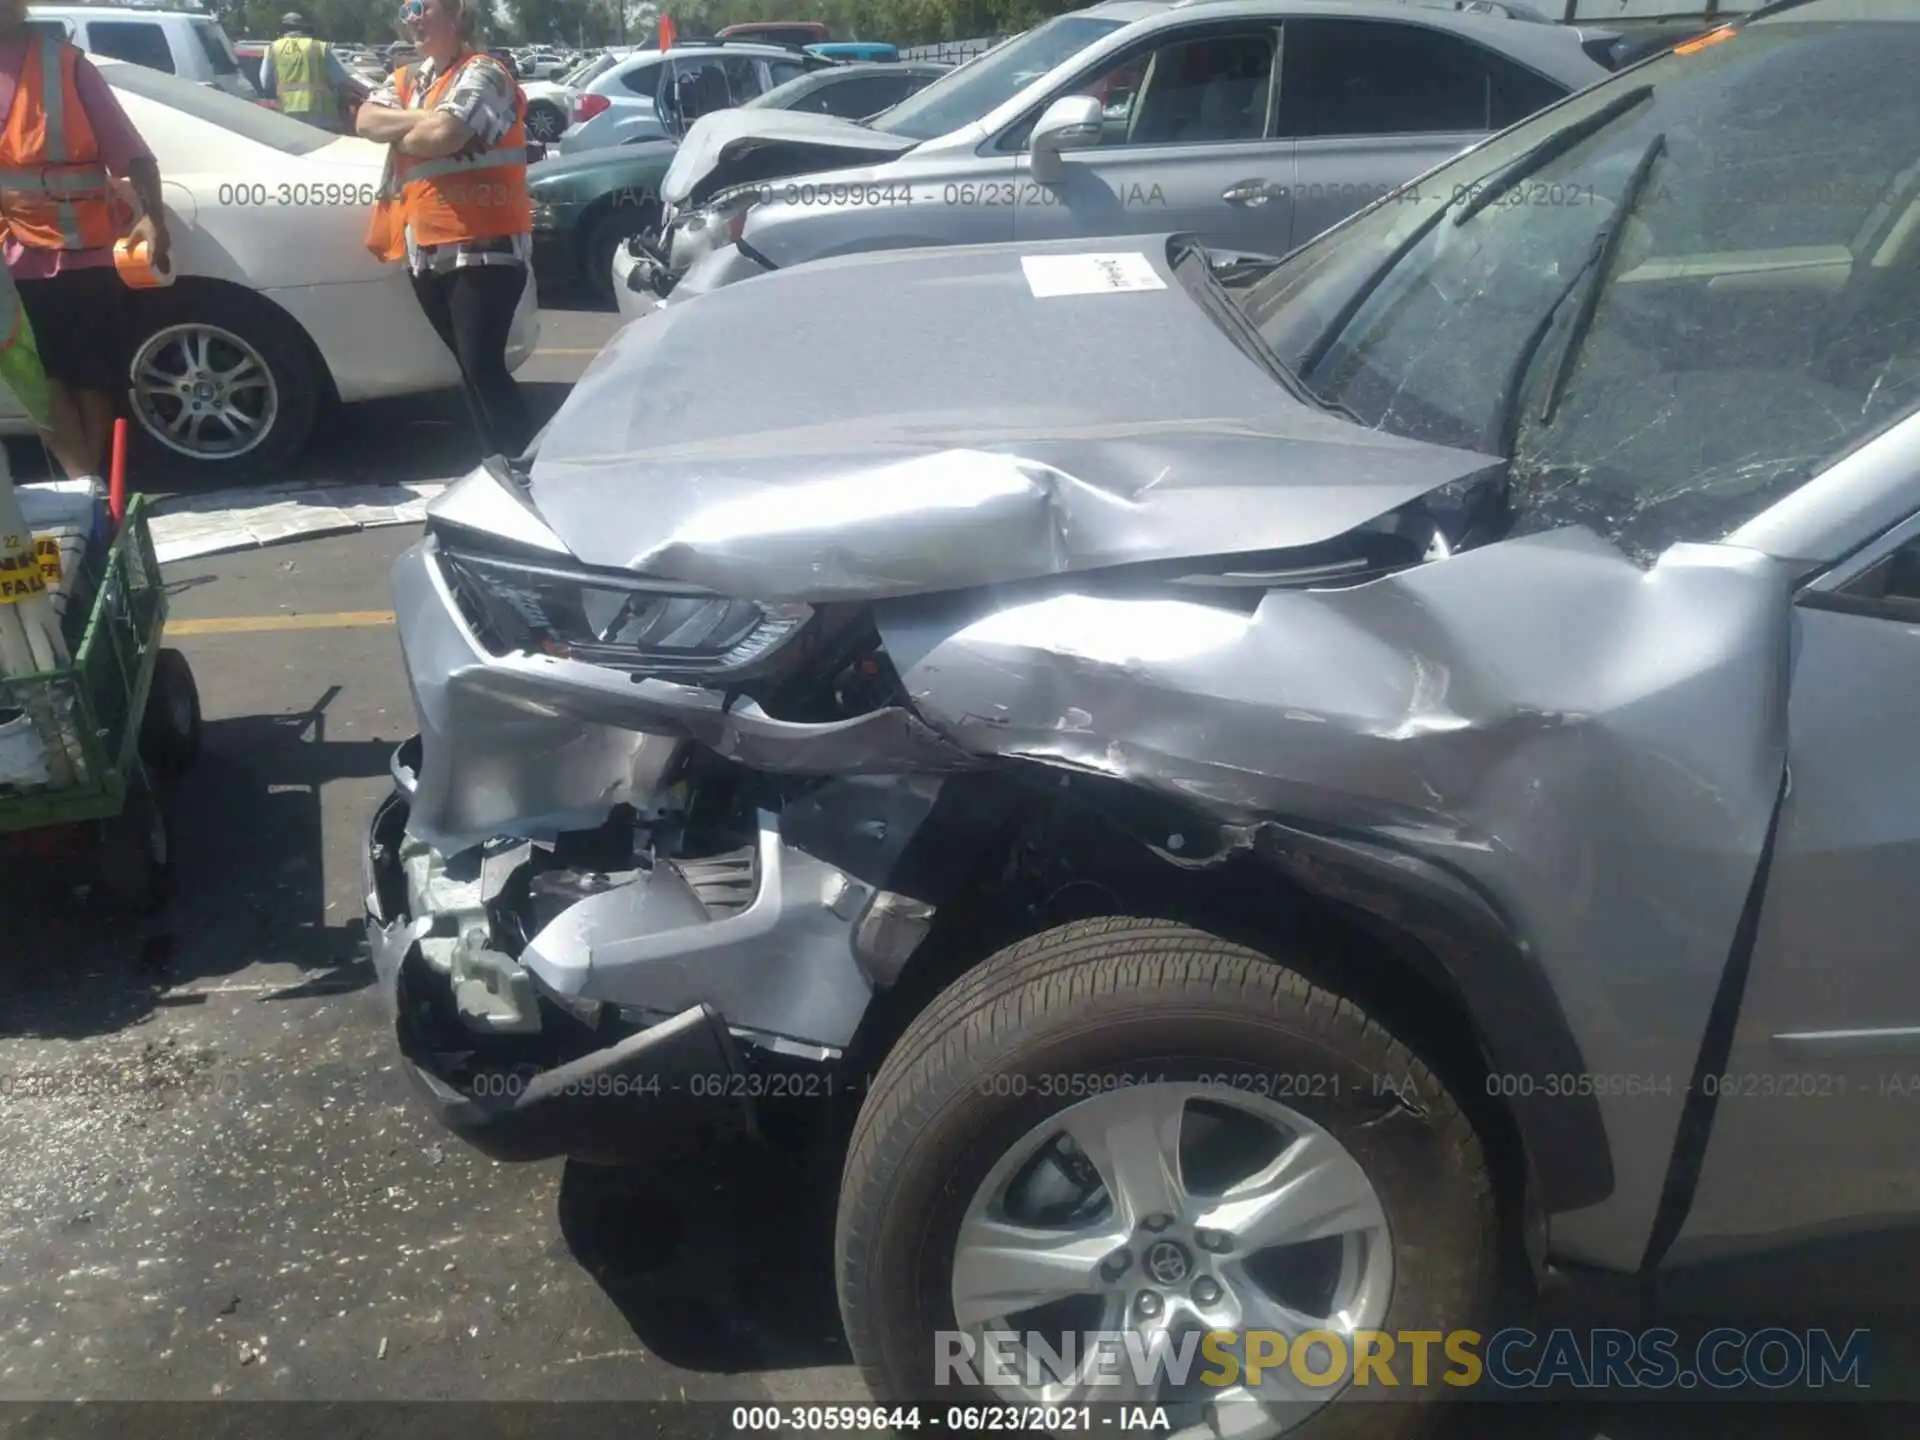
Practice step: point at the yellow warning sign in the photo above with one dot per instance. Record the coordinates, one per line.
(20, 577)
(46, 549)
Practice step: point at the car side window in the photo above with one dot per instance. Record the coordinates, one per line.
(743, 78)
(139, 42)
(1378, 77)
(854, 99)
(785, 70)
(1214, 86)
(643, 79)
(1888, 589)
(50, 29)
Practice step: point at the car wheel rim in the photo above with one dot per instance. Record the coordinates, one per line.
(1163, 1209)
(543, 126)
(204, 392)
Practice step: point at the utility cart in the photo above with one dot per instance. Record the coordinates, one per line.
(102, 732)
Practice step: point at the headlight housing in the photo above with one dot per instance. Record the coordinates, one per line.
(719, 222)
(642, 627)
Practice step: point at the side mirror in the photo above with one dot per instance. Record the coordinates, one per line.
(1069, 123)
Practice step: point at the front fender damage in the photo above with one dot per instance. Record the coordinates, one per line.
(1596, 748)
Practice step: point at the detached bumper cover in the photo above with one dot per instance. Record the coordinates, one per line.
(614, 1104)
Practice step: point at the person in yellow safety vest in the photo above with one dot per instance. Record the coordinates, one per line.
(454, 205)
(305, 76)
(64, 140)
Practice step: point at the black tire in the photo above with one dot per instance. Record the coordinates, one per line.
(545, 121)
(170, 728)
(136, 852)
(605, 234)
(1129, 999)
(242, 325)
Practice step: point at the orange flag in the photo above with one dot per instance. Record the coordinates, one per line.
(667, 35)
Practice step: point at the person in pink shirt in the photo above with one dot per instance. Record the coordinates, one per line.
(71, 292)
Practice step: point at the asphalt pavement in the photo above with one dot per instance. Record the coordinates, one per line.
(217, 1185)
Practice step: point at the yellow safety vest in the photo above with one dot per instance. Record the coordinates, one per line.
(300, 78)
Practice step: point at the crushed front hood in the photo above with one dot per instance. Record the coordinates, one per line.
(734, 147)
(917, 421)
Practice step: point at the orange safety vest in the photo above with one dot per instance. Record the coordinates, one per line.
(54, 191)
(450, 200)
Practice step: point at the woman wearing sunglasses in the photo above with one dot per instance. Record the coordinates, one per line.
(455, 205)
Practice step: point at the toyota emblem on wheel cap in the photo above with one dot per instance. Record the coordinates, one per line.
(1167, 1263)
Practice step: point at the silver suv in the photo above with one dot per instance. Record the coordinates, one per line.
(1252, 123)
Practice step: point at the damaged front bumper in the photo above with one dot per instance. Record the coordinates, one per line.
(544, 1008)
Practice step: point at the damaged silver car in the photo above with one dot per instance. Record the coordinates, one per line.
(1271, 786)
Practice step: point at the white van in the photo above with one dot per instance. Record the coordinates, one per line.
(189, 44)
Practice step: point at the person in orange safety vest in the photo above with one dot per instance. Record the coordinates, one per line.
(454, 205)
(64, 139)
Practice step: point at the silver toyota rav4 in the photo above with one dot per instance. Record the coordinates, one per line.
(1269, 787)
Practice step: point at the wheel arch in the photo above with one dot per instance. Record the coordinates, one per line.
(248, 296)
(597, 209)
(1423, 948)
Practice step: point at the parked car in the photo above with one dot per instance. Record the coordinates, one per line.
(542, 65)
(190, 44)
(1264, 773)
(549, 102)
(587, 204)
(793, 34)
(655, 93)
(277, 310)
(1122, 118)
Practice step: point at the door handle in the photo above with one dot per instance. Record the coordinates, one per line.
(1252, 192)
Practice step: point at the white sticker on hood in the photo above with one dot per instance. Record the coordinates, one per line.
(1050, 275)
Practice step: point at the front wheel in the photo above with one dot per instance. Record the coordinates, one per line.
(605, 235)
(1127, 1128)
(222, 383)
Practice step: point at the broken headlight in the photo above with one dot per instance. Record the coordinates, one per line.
(716, 224)
(642, 627)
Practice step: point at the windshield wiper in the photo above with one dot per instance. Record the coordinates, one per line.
(1513, 173)
(1606, 247)
(1503, 427)
(1195, 268)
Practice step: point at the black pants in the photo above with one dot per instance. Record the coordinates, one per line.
(472, 309)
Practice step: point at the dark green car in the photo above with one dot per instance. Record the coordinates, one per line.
(586, 205)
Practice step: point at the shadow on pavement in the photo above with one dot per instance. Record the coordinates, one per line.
(720, 1260)
(249, 887)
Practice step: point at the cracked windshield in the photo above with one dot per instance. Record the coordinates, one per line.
(894, 718)
(1672, 323)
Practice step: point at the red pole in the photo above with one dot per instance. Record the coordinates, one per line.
(117, 476)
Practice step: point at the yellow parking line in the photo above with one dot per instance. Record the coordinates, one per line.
(247, 624)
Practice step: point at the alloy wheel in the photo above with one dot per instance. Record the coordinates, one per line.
(1156, 1210)
(204, 392)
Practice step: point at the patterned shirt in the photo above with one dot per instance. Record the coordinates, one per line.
(483, 99)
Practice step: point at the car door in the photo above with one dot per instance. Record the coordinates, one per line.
(1814, 1120)
(1186, 145)
(1372, 103)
